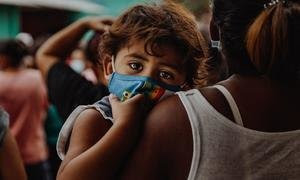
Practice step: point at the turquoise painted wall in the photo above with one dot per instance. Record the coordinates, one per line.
(10, 15)
(9, 21)
(112, 7)
(116, 7)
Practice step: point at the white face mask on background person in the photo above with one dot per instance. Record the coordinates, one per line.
(77, 65)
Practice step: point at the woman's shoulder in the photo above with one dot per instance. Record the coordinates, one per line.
(168, 132)
(168, 119)
(167, 109)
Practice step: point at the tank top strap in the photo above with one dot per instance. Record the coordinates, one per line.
(233, 106)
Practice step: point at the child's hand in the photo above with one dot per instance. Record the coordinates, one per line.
(132, 110)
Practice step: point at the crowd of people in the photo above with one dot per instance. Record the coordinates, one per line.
(149, 96)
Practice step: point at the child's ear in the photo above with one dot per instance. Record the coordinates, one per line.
(107, 67)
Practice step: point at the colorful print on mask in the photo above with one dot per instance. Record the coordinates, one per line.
(127, 86)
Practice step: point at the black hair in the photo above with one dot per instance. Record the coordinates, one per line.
(15, 50)
(233, 17)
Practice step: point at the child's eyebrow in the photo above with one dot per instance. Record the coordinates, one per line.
(174, 66)
(143, 57)
(137, 55)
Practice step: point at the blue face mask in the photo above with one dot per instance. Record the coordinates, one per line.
(126, 86)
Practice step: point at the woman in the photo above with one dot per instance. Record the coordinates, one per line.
(247, 126)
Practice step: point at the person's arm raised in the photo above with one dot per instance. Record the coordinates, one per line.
(59, 46)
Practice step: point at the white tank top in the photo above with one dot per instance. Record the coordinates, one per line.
(225, 150)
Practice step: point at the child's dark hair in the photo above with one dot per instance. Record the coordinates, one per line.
(160, 24)
(14, 50)
(273, 41)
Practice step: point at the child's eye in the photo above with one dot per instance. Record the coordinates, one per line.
(165, 75)
(136, 66)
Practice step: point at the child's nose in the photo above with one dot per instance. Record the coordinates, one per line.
(150, 73)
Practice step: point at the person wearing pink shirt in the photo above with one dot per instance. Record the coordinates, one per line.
(23, 95)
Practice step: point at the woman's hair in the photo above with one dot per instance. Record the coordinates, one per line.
(233, 18)
(14, 50)
(273, 41)
(159, 25)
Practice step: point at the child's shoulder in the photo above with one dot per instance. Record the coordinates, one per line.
(90, 118)
(88, 128)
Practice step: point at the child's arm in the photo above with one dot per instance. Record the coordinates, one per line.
(90, 157)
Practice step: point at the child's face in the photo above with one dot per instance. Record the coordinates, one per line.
(169, 68)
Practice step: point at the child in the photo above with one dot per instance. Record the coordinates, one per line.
(150, 52)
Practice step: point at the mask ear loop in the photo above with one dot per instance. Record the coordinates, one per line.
(216, 44)
(113, 63)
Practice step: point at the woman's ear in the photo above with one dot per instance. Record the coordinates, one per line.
(107, 67)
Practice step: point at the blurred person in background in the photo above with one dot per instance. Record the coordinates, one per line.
(53, 124)
(23, 95)
(66, 88)
(82, 65)
(11, 165)
(53, 121)
(27, 39)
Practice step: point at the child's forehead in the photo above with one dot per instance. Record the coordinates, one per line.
(152, 49)
(167, 55)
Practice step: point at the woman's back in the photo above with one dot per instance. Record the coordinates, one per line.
(223, 149)
(264, 105)
(201, 139)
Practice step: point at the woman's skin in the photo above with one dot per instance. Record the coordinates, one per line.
(165, 148)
